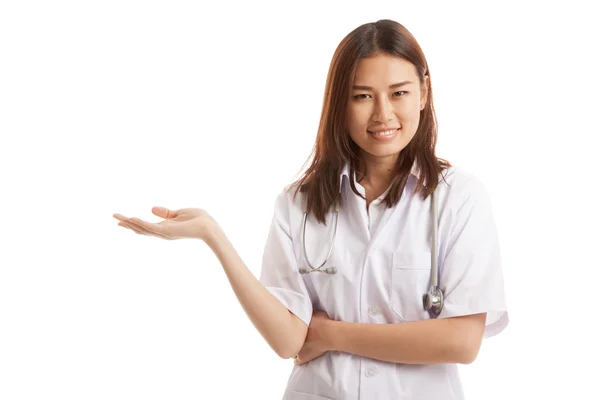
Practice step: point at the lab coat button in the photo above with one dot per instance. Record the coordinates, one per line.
(370, 372)
(373, 311)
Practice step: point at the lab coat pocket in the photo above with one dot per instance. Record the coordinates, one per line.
(410, 281)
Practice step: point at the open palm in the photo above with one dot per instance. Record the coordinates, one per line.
(186, 223)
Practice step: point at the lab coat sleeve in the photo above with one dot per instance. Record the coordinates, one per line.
(279, 272)
(471, 273)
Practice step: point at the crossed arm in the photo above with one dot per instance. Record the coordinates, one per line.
(446, 340)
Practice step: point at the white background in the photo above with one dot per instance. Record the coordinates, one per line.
(118, 106)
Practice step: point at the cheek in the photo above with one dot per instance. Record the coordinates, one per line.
(410, 114)
(358, 118)
(413, 109)
(351, 115)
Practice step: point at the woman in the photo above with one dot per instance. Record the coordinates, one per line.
(356, 324)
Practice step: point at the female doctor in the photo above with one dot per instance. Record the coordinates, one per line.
(355, 242)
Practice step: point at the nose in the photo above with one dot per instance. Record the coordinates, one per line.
(383, 111)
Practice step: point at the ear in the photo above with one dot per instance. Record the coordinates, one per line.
(424, 92)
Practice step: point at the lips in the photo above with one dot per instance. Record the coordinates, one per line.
(390, 130)
(384, 137)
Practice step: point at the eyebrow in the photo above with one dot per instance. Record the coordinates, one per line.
(395, 85)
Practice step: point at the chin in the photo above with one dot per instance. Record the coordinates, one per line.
(389, 152)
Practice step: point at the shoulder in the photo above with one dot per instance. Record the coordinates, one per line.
(461, 186)
(288, 201)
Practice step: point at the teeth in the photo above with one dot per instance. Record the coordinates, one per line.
(386, 133)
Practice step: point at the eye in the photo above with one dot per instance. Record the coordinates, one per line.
(396, 94)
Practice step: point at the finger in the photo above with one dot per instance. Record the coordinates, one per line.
(301, 358)
(307, 354)
(164, 212)
(148, 228)
(139, 226)
(120, 217)
(142, 226)
(135, 229)
(142, 231)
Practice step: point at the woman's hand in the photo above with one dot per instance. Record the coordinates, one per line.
(318, 339)
(186, 223)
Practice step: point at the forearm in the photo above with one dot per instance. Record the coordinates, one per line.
(447, 340)
(283, 331)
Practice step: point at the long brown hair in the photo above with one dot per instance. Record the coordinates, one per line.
(334, 147)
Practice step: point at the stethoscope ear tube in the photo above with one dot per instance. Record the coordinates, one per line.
(434, 245)
(433, 300)
(329, 270)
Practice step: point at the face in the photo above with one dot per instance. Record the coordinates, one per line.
(384, 106)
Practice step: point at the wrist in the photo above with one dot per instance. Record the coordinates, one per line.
(333, 335)
(214, 236)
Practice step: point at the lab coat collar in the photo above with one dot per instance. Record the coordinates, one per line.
(346, 172)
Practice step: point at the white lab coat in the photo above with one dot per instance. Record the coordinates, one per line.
(383, 261)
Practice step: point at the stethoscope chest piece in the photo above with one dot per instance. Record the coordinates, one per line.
(433, 301)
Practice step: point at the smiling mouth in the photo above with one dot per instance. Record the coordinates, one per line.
(385, 133)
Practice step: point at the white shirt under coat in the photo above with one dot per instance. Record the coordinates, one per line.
(383, 261)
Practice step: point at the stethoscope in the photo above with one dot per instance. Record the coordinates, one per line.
(433, 300)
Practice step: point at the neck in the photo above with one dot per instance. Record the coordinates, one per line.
(379, 171)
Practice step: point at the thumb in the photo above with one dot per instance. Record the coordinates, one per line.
(164, 212)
